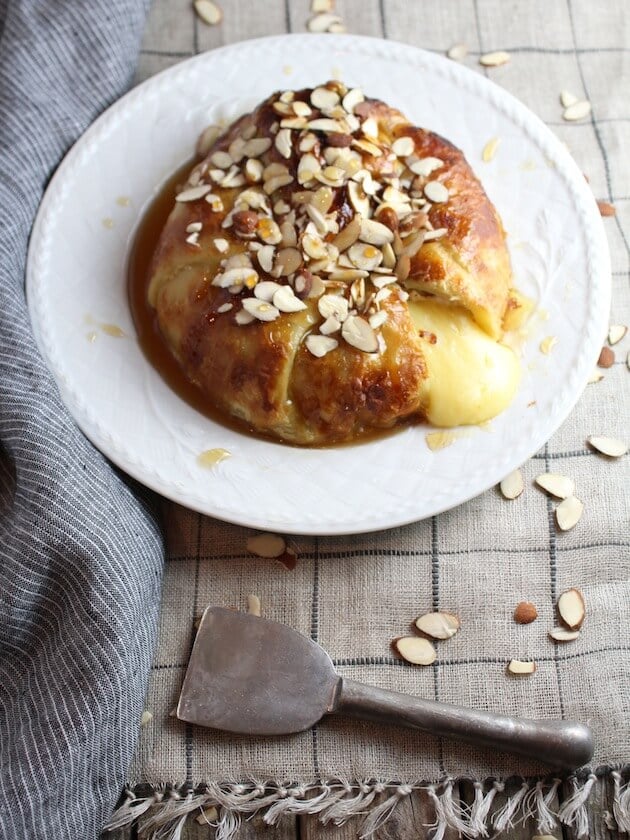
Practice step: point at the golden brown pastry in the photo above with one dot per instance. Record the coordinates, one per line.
(329, 269)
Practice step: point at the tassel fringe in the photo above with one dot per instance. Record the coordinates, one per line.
(164, 810)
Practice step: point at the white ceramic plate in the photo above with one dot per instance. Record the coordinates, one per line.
(77, 283)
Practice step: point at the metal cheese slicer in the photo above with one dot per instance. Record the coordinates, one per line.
(258, 677)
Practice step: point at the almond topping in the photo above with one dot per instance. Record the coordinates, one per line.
(334, 305)
(193, 193)
(266, 290)
(568, 513)
(571, 608)
(286, 301)
(375, 233)
(352, 99)
(403, 147)
(438, 625)
(358, 333)
(512, 485)
(269, 232)
(283, 142)
(260, 309)
(425, 166)
(436, 192)
(611, 447)
(415, 650)
(319, 345)
(559, 486)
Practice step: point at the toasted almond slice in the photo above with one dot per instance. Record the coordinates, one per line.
(489, 150)
(283, 142)
(324, 98)
(561, 634)
(560, 486)
(571, 608)
(265, 257)
(266, 545)
(225, 307)
(253, 605)
(436, 192)
(222, 245)
(612, 447)
(567, 98)
(206, 139)
(516, 666)
(209, 12)
(286, 301)
(425, 166)
(358, 333)
(568, 513)
(269, 231)
(438, 625)
(494, 59)
(577, 111)
(375, 233)
(352, 99)
(457, 52)
(257, 146)
(512, 485)
(221, 159)
(403, 147)
(266, 290)
(193, 193)
(358, 199)
(616, 333)
(260, 309)
(415, 650)
(242, 318)
(319, 345)
(331, 325)
(322, 22)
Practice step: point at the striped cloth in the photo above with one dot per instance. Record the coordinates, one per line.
(80, 555)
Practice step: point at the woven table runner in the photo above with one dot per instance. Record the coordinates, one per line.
(355, 594)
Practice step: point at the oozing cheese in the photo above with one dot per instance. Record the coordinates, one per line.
(471, 377)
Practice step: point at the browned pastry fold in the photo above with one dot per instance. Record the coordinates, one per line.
(267, 372)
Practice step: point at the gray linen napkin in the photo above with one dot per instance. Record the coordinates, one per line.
(80, 553)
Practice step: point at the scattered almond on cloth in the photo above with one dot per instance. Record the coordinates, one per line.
(208, 11)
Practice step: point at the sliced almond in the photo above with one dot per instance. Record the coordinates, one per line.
(415, 650)
(208, 12)
(260, 309)
(457, 52)
(403, 147)
(266, 290)
(561, 634)
(352, 99)
(516, 666)
(612, 447)
(547, 344)
(147, 717)
(331, 325)
(358, 199)
(266, 545)
(436, 192)
(286, 301)
(494, 59)
(525, 612)
(257, 146)
(596, 376)
(324, 98)
(265, 257)
(320, 345)
(616, 333)
(440, 440)
(375, 233)
(571, 608)
(193, 193)
(221, 159)
(560, 486)
(567, 98)
(489, 150)
(438, 625)
(269, 231)
(577, 111)
(222, 245)
(512, 485)
(253, 605)
(568, 513)
(318, 6)
(322, 22)
(425, 166)
(334, 305)
(288, 261)
(358, 333)
(206, 139)
(283, 142)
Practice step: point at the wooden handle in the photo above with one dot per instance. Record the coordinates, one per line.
(563, 744)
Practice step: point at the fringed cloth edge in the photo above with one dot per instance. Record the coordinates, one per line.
(167, 807)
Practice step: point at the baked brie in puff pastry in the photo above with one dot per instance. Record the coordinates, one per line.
(330, 269)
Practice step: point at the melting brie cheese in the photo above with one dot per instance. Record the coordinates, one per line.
(471, 377)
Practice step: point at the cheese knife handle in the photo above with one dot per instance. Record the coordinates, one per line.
(561, 743)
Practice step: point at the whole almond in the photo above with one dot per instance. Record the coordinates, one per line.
(525, 612)
(606, 208)
(606, 358)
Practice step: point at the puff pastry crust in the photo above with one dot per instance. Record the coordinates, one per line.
(331, 351)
